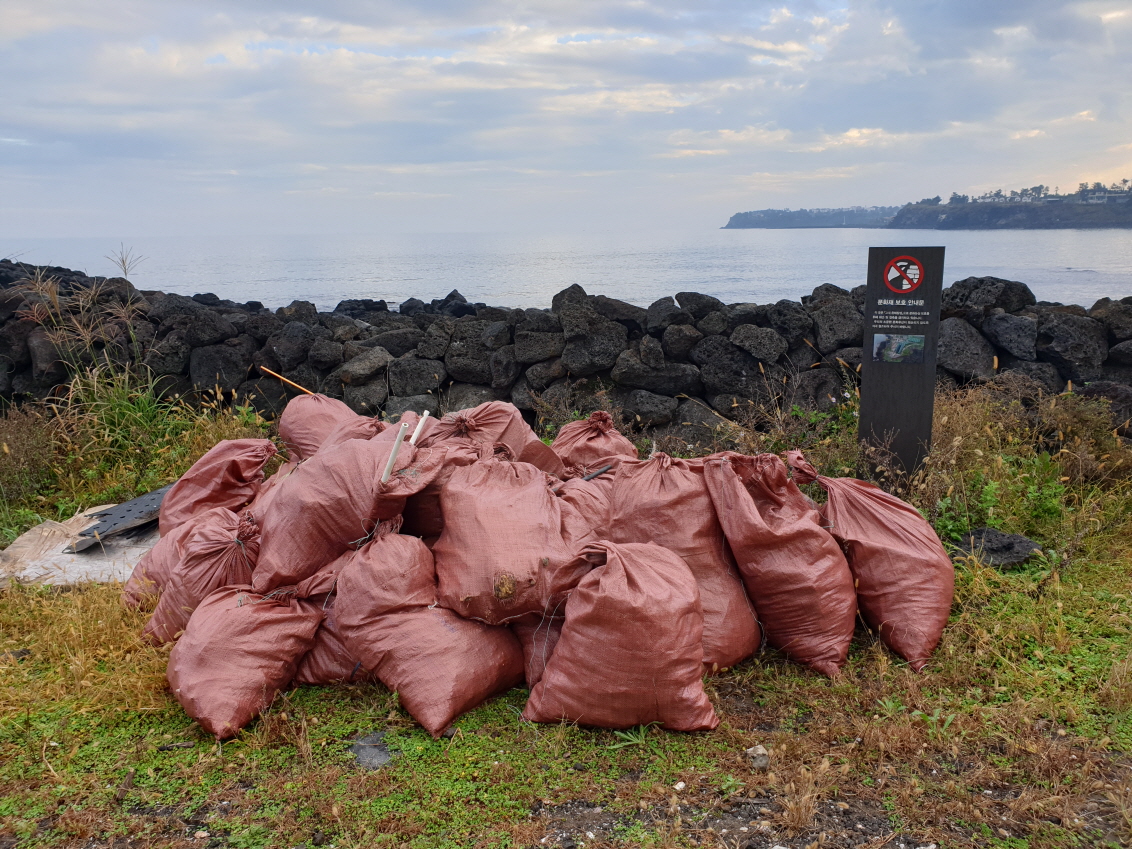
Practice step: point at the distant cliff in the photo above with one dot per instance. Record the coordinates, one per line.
(785, 219)
(1060, 213)
(1049, 215)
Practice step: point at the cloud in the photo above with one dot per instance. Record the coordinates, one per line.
(337, 113)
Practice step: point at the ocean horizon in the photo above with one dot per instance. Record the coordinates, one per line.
(526, 270)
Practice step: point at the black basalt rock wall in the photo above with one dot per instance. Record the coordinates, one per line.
(679, 361)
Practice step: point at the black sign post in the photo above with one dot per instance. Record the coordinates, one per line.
(901, 338)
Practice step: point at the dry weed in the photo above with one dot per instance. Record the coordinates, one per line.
(1116, 692)
(88, 643)
(1120, 797)
(25, 453)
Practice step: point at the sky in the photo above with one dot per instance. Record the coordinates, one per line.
(141, 117)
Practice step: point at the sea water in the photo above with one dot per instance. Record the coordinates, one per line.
(511, 269)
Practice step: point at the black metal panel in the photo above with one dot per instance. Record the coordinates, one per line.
(122, 517)
(901, 342)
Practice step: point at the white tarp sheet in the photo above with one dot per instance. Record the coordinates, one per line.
(37, 556)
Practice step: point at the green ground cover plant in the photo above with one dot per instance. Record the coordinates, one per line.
(1016, 735)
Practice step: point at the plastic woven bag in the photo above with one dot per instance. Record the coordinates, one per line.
(665, 501)
(439, 664)
(238, 651)
(332, 503)
(151, 574)
(363, 427)
(630, 652)
(329, 661)
(221, 551)
(501, 525)
(794, 571)
(538, 635)
(308, 420)
(229, 475)
(905, 580)
(423, 514)
(588, 445)
(497, 421)
(585, 512)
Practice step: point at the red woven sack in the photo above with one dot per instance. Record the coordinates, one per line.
(588, 445)
(329, 661)
(308, 419)
(588, 513)
(423, 515)
(361, 427)
(538, 635)
(270, 488)
(794, 571)
(502, 523)
(439, 664)
(238, 651)
(905, 580)
(151, 574)
(631, 651)
(229, 475)
(665, 501)
(497, 421)
(221, 551)
(332, 503)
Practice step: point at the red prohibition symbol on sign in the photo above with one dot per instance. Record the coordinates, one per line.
(903, 275)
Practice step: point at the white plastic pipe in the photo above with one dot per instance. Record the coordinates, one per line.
(396, 450)
(420, 427)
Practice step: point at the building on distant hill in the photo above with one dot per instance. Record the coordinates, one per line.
(1092, 206)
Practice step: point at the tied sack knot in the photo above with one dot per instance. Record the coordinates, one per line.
(803, 471)
(463, 425)
(601, 422)
(247, 529)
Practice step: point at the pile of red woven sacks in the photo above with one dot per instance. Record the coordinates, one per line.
(481, 559)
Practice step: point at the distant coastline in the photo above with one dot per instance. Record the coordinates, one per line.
(791, 219)
(1090, 207)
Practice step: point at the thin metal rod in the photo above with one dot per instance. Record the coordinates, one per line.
(396, 450)
(600, 471)
(420, 427)
(285, 380)
(588, 477)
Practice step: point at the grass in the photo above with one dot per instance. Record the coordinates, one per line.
(107, 439)
(1015, 736)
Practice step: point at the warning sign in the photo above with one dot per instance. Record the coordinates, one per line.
(903, 274)
(903, 290)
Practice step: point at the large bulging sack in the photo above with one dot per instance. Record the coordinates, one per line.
(538, 635)
(439, 664)
(665, 501)
(905, 580)
(308, 420)
(238, 651)
(501, 525)
(588, 445)
(794, 571)
(151, 574)
(329, 661)
(630, 652)
(270, 488)
(229, 475)
(585, 512)
(221, 551)
(497, 421)
(332, 503)
(362, 427)
(423, 514)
